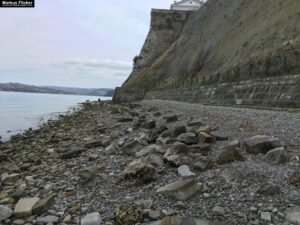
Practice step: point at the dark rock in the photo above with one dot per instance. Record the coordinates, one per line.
(187, 138)
(71, 154)
(132, 148)
(229, 155)
(152, 136)
(179, 130)
(200, 166)
(261, 144)
(157, 114)
(93, 144)
(44, 205)
(206, 138)
(125, 119)
(294, 179)
(269, 189)
(203, 148)
(161, 129)
(195, 123)
(149, 125)
(177, 155)
(3, 157)
(171, 119)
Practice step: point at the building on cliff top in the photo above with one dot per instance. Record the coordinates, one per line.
(187, 5)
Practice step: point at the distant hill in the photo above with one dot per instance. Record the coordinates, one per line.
(108, 92)
(16, 87)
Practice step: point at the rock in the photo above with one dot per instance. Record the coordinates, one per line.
(266, 216)
(157, 114)
(179, 130)
(48, 219)
(146, 204)
(177, 154)
(175, 220)
(200, 166)
(24, 207)
(152, 136)
(154, 160)
(220, 211)
(187, 138)
(195, 123)
(171, 119)
(235, 143)
(10, 178)
(161, 129)
(3, 157)
(91, 219)
(219, 136)
(90, 172)
(203, 148)
(125, 119)
(229, 155)
(128, 214)
(180, 190)
(154, 215)
(205, 129)
(138, 172)
(93, 144)
(261, 144)
(276, 156)
(294, 179)
(269, 189)
(71, 154)
(5, 212)
(293, 215)
(149, 125)
(184, 171)
(44, 205)
(132, 148)
(147, 151)
(206, 138)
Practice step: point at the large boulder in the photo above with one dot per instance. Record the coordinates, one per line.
(138, 172)
(261, 144)
(132, 148)
(180, 190)
(128, 214)
(229, 155)
(276, 156)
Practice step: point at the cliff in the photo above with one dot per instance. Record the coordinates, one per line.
(230, 41)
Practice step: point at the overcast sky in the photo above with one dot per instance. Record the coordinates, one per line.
(75, 43)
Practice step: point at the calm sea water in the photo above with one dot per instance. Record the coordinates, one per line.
(20, 111)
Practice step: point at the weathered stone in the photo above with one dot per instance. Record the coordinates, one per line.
(161, 129)
(154, 160)
(266, 216)
(268, 189)
(90, 172)
(187, 138)
(132, 148)
(149, 125)
(218, 210)
(147, 150)
(48, 219)
(179, 130)
(128, 214)
(206, 138)
(200, 166)
(93, 144)
(187, 221)
(184, 171)
(91, 219)
(203, 148)
(294, 179)
(5, 212)
(276, 156)
(171, 119)
(138, 172)
(71, 154)
(229, 155)
(293, 215)
(152, 136)
(24, 207)
(177, 154)
(44, 205)
(10, 178)
(261, 144)
(180, 190)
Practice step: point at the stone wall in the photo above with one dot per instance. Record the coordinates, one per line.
(166, 25)
(128, 95)
(281, 91)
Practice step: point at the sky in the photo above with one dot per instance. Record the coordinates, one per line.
(73, 43)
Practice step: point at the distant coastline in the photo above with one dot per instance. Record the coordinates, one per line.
(17, 87)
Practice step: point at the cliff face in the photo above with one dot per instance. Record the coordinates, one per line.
(165, 28)
(220, 35)
(225, 44)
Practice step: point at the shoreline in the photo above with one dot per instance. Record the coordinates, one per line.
(106, 156)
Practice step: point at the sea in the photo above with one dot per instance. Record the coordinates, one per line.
(20, 111)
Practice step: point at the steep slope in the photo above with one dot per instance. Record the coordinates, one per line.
(223, 34)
